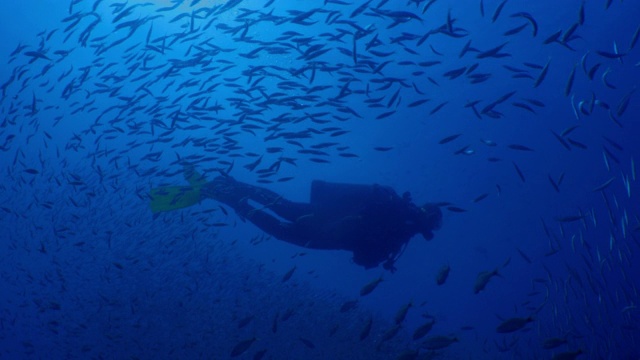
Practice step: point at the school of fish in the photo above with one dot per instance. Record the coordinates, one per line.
(112, 102)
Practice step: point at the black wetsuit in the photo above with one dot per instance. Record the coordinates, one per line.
(372, 221)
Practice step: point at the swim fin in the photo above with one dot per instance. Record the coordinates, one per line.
(169, 198)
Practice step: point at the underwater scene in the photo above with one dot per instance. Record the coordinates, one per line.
(320, 179)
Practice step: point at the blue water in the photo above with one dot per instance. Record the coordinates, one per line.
(102, 100)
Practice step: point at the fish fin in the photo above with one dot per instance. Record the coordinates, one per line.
(169, 198)
(506, 262)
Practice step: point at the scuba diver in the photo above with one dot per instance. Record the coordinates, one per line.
(372, 221)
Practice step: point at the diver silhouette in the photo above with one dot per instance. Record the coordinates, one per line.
(372, 221)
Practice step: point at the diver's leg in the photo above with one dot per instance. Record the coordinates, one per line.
(230, 191)
(286, 209)
(227, 190)
(290, 232)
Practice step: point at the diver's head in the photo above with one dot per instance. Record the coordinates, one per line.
(429, 219)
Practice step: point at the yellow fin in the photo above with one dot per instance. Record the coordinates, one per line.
(169, 198)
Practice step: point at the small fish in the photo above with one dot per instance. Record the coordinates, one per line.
(418, 102)
(542, 75)
(568, 355)
(334, 329)
(348, 305)
(592, 72)
(610, 155)
(604, 185)
(368, 288)
(628, 308)
(515, 30)
(438, 342)
(390, 334)
(551, 252)
(449, 138)
(429, 63)
(366, 330)
(360, 9)
(483, 279)
(385, 114)
(552, 343)
(242, 346)
(634, 39)
(468, 152)
(519, 147)
(259, 354)
(409, 354)
(402, 312)
(568, 35)
(288, 274)
(613, 143)
(442, 275)
(245, 321)
(253, 164)
(524, 256)
(496, 13)
(561, 140)
(422, 330)
(570, 218)
(573, 107)
(513, 324)
(577, 144)
(581, 14)
(553, 37)
(382, 148)
(438, 108)
(531, 20)
(605, 81)
(481, 196)
(569, 130)
(569, 86)
(524, 106)
(37, 55)
(624, 103)
(307, 343)
(553, 183)
(610, 55)
(520, 174)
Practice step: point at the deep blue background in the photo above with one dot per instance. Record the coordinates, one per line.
(87, 271)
